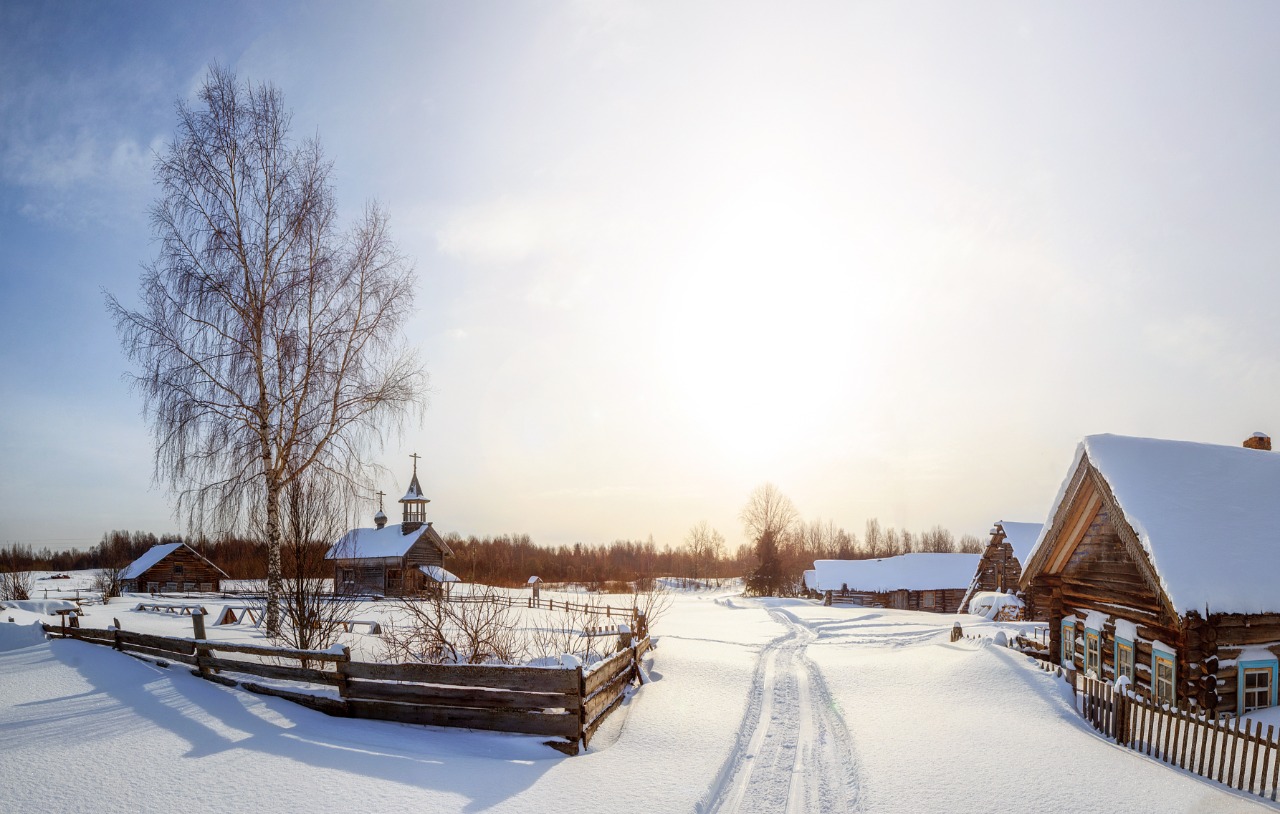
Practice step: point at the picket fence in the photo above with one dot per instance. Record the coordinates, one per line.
(1235, 752)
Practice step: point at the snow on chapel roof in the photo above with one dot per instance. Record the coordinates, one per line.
(913, 572)
(1207, 515)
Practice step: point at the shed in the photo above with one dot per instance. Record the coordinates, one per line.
(1000, 568)
(1157, 563)
(170, 568)
(927, 582)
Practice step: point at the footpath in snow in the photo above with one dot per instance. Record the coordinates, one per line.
(753, 705)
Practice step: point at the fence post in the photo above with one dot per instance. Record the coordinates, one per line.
(202, 653)
(581, 742)
(117, 633)
(340, 667)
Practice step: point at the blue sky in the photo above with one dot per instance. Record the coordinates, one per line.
(897, 260)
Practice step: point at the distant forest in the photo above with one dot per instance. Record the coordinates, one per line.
(509, 560)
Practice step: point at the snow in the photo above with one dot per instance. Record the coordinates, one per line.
(1126, 630)
(988, 604)
(1206, 514)
(1094, 620)
(811, 579)
(1021, 536)
(153, 555)
(387, 541)
(44, 607)
(438, 574)
(913, 572)
(752, 705)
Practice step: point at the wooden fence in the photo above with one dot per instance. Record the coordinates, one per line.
(568, 703)
(1234, 752)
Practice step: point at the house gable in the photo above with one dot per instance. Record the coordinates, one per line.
(1090, 542)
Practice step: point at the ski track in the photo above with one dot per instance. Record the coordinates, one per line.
(798, 756)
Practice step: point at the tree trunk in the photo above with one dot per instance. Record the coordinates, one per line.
(275, 584)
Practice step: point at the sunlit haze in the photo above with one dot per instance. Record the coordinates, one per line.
(896, 259)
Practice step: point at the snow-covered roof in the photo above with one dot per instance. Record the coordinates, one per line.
(157, 553)
(1022, 536)
(153, 555)
(913, 572)
(1207, 515)
(533, 579)
(387, 541)
(438, 574)
(811, 580)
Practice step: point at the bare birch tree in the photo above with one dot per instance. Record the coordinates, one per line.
(268, 342)
(767, 518)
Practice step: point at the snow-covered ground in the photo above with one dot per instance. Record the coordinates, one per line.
(753, 705)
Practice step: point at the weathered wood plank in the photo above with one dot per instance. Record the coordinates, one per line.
(329, 706)
(605, 671)
(269, 670)
(436, 695)
(1257, 747)
(166, 643)
(531, 723)
(1266, 758)
(156, 652)
(605, 695)
(267, 650)
(529, 679)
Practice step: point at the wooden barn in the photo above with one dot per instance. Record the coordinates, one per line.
(1159, 565)
(1000, 568)
(398, 560)
(925, 582)
(171, 568)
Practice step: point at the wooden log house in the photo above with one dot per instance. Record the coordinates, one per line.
(1158, 565)
(398, 560)
(1000, 568)
(925, 582)
(171, 568)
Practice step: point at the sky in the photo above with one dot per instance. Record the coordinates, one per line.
(896, 259)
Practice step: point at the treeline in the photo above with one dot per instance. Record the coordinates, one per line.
(509, 561)
(241, 558)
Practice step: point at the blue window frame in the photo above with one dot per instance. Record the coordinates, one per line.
(1124, 658)
(1256, 685)
(1067, 658)
(1092, 652)
(1164, 665)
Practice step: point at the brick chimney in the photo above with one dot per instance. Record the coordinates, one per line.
(1259, 440)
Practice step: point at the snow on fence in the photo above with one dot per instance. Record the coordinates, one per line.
(1234, 752)
(569, 703)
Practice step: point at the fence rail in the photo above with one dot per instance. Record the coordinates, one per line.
(1235, 752)
(568, 703)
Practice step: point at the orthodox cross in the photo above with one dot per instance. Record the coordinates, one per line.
(381, 494)
(415, 457)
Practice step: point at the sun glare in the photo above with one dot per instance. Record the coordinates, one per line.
(762, 325)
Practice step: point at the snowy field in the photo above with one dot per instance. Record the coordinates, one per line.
(752, 705)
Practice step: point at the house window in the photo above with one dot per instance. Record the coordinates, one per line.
(1092, 653)
(926, 599)
(177, 571)
(1068, 655)
(1162, 677)
(1257, 685)
(1124, 659)
(153, 587)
